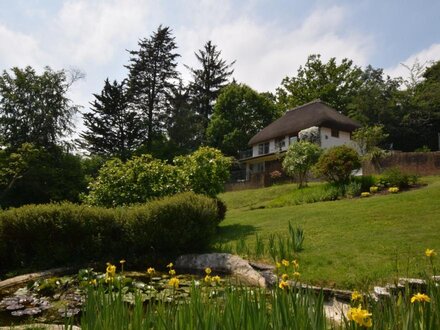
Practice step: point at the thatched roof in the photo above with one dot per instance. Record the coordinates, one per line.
(315, 113)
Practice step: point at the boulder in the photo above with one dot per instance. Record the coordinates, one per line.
(223, 263)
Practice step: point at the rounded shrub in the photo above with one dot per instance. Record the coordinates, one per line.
(337, 163)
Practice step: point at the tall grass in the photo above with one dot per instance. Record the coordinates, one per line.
(231, 308)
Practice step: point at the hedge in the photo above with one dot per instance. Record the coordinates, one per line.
(58, 234)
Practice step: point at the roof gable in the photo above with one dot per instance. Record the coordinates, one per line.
(315, 113)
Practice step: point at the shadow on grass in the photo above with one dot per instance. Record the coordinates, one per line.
(233, 232)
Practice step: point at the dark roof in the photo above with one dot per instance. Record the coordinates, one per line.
(315, 113)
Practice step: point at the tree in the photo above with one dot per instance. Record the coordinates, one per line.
(31, 175)
(299, 159)
(152, 73)
(113, 128)
(239, 113)
(208, 80)
(34, 108)
(184, 128)
(368, 138)
(337, 163)
(333, 83)
(375, 102)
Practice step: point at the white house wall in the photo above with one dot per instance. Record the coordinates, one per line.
(327, 140)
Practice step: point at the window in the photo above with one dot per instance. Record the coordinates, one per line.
(293, 139)
(257, 168)
(263, 148)
(335, 133)
(280, 143)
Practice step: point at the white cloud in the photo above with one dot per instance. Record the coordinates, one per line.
(91, 32)
(266, 53)
(423, 57)
(18, 49)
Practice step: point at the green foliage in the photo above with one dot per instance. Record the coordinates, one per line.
(152, 73)
(394, 177)
(239, 113)
(135, 181)
(225, 308)
(337, 163)
(143, 178)
(331, 82)
(353, 189)
(365, 181)
(299, 159)
(113, 128)
(37, 175)
(206, 170)
(34, 108)
(59, 234)
(369, 137)
(208, 80)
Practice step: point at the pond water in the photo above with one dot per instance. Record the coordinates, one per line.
(50, 300)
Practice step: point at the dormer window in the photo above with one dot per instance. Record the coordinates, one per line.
(335, 133)
(263, 148)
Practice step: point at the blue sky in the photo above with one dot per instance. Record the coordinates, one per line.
(268, 39)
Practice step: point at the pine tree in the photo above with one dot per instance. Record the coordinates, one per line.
(114, 129)
(152, 73)
(183, 126)
(208, 80)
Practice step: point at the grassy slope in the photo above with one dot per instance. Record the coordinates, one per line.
(349, 242)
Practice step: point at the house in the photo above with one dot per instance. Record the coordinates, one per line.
(266, 146)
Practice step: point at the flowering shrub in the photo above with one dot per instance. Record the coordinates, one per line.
(310, 134)
(393, 190)
(275, 175)
(365, 194)
(374, 189)
(299, 159)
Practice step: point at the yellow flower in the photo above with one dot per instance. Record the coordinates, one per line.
(208, 270)
(356, 296)
(295, 264)
(360, 316)
(122, 261)
(172, 272)
(151, 271)
(420, 297)
(430, 253)
(174, 282)
(296, 275)
(278, 265)
(365, 194)
(285, 262)
(170, 265)
(208, 279)
(93, 282)
(111, 270)
(373, 189)
(284, 277)
(216, 279)
(393, 190)
(283, 285)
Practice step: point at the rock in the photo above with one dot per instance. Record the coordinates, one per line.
(223, 263)
(13, 281)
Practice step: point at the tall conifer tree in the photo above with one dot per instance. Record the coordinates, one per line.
(152, 74)
(114, 129)
(208, 80)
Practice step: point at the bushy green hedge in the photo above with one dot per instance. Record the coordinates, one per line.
(58, 234)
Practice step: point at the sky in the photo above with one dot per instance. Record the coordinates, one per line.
(269, 40)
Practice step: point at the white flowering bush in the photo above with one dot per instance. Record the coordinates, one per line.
(310, 134)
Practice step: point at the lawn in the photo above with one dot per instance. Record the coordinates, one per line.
(349, 243)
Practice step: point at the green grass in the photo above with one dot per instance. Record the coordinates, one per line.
(348, 243)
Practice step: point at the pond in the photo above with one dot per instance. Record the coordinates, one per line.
(51, 300)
